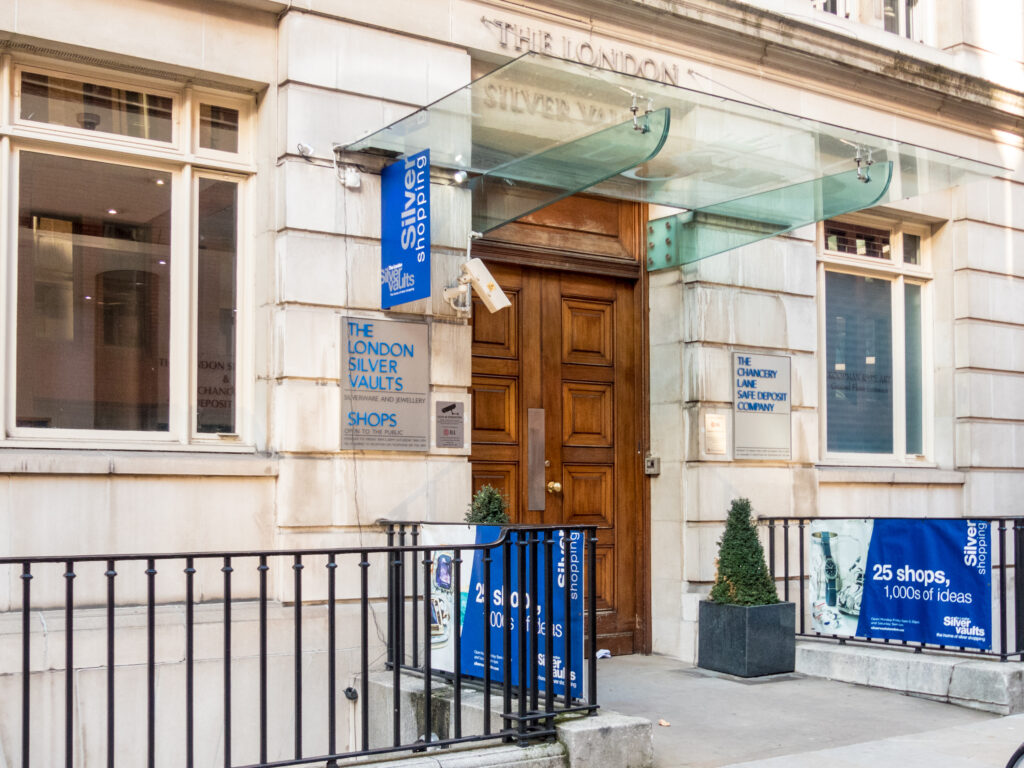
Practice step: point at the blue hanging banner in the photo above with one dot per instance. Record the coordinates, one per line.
(405, 230)
(914, 580)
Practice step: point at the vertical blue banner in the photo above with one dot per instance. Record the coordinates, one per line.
(481, 610)
(405, 230)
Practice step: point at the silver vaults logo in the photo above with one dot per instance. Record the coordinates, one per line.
(976, 546)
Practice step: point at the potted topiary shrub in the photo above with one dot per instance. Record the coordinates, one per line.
(743, 628)
(488, 507)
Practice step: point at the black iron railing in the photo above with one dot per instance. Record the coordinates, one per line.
(1008, 589)
(532, 718)
(273, 595)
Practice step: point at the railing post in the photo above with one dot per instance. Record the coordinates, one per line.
(332, 714)
(506, 632)
(592, 622)
(110, 574)
(364, 634)
(151, 663)
(69, 663)
(428, 721)
(800, 584)
(488, 628)
(522, 617)
(297, 567)
(549, 634)
(190, 573)
(391, 599)
(262, 569)
(415, 532)
(1018, 586)
(227, 570)
(1002, 591)
(566, 555)
(26, 636)
(457, 637)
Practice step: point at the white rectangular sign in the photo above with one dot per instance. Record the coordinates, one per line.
(385, 384)
(761, 406)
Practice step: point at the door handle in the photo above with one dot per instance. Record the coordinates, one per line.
(554, 487)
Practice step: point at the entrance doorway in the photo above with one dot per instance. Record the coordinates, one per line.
(562, 369)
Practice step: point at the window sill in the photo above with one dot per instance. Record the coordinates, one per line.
(847, 475)
(165, 463)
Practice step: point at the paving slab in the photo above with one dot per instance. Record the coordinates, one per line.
(717, 720)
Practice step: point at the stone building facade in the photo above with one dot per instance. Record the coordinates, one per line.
(173, 375)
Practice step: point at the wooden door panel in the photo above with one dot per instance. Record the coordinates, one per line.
(496, 334)
(494, 410)
(587, 336)
(587, 414)
(503, 476)
(588, 494)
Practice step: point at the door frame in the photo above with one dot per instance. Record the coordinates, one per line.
(569, 260)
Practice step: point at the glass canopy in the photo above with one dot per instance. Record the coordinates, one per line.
(540, 128)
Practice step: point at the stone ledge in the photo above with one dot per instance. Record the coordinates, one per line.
(242, 462)
(846, 475)
(991, 686)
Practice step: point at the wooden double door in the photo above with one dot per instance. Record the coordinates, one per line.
(560, 372)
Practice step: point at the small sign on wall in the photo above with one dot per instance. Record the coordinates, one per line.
(385, 384)
(761, 407)
(449, 424)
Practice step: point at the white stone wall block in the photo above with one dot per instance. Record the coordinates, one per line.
(731, 316)
(989, 248)
(450, 481)
(666, 373)
(996, 201)
(305, 491)
(668, 438)
(371, 487)
(311, 268)
(363, 262)
(667, 492)
(988, 346)
(990, 444)
(322, 118)
(781, 264)
(308, 343)
(307, 416)
(450, 350)
(805, 441)
(989, 297)
(993, 493)
(665, 299)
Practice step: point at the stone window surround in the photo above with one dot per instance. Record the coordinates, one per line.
(187, 162)
(898, 274)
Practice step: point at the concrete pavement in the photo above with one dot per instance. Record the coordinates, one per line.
(717, 721)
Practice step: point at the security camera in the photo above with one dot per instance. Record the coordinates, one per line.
(485, 285)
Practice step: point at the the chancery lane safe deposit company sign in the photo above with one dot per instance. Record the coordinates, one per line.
(405, 230)
(761, 395)
(385, 384)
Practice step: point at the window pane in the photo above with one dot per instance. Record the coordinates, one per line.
(890, 16)
(912, 312)
(911, 249)
(93, 295)
(858, 348)
(218, 212)
(859, 241)
(218, 128)
(61, 101)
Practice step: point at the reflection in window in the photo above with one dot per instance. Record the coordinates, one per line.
(215, 345)
(858, 347)
(62, 101)
(93, 295)
(915, 370)
(911, 249)
(218, 128)
(858, 241)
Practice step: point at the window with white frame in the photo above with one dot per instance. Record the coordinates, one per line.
(874, 279)
(126, 219)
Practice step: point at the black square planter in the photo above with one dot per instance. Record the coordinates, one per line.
(747, 640)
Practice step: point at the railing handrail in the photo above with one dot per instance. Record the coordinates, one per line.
(208, 554)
